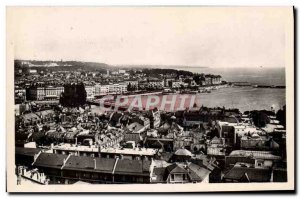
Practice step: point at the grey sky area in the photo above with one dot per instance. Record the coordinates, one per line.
(194, 36)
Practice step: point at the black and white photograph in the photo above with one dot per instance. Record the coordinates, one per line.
(150, 99)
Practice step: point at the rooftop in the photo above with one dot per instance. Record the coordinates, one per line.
(248, 174)
(132, 166)
(183, 152)
(129, 151)
(254, 154)
(50, 160)
(83, 163)
(125, 151)
(27, 151)
(97, 164)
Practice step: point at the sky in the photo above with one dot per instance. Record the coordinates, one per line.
(194, 36)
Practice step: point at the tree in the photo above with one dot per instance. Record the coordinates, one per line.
(74, 95)
(281, 116)
(131, 87)
(260, 118)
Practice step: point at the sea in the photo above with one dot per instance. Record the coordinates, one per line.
(245, 98)
(242, 98)
(257, 75)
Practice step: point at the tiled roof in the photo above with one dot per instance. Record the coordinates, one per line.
(81, 162)
(30, 116)
(27, 151)
(135, 127)
(197, 172)
(254, 174)
(50, 160)
(183, 152)
(132, 167)
(175, 168)
(255, 154)
(159, 172)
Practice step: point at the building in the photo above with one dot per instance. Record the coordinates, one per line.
(212, 79)
(25, 156)
(176, 84)
(181, 155)
(20, 95)
(30, 119)
(90, 92)
(35, 93)
(154, 118)
(97, 89)
(191, 119)
(216, 147)
(168, 82)
(68, 169)
(53, 93)
(117, 88)
(216, 80)
(258, 142)
(245, 173)
(152, 83)
(180, 173)
(256, 158)
(229, 131)
(104, 89)
(135, 132)
(122, 71)
(44, 93)
(32, 71)
(132, 84)
(106, 152)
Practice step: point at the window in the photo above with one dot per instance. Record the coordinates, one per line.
(260, 163)
(172, 177)
(86, 175)
(183, 176)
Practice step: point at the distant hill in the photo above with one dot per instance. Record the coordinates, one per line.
(93, 66)
(143, 66)
(61, 65)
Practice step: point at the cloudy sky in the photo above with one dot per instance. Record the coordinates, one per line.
(212, 37)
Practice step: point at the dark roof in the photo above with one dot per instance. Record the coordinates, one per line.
(205, 162)
(27, 151)
(116, 116)
(133, 167)
(197, 173)
(231, 119)
(193, 117)
(183, 152)
(22, 136)
(179, 114)
(159, 172)
(174, 168)
(50, 160)
(82, 162)
(226, 128)
(254, 174)
(216, 140)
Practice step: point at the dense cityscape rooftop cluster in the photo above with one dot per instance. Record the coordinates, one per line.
(59, 143)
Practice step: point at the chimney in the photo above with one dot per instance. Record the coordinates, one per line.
(95, 163)
(65, 161)
(36, 156)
